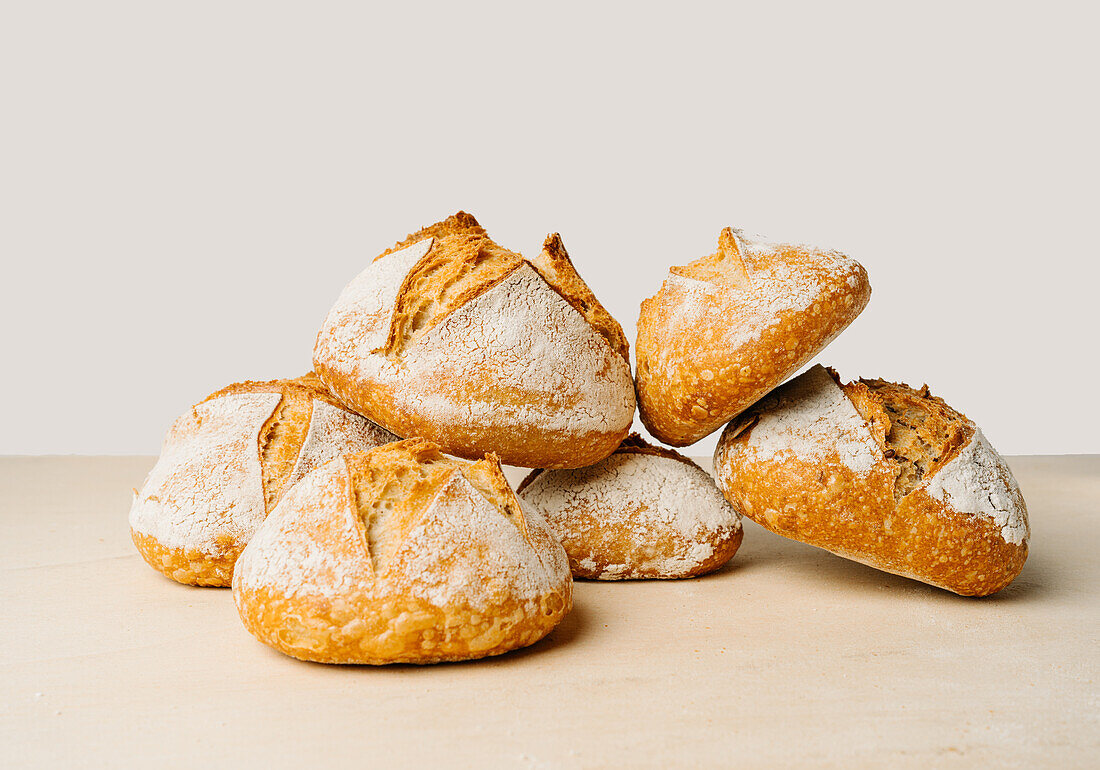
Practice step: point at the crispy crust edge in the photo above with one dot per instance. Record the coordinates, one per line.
(829, 506)
(187, 566)
(682, 409)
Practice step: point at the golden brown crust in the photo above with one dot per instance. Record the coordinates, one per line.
(187, 566)
(632, 444)
(635, 444)
(381, 557)
(877, 513)
(554, 265)
(461, 264)
(727, 328)
(526, 445)
(456, 367)
(463, 244)
(308, 387)
(283, 435)
(725, 267)
(461, 224)
(363, 630)
(279, 446)
(603, 565)
(634, 516)
(918, 432)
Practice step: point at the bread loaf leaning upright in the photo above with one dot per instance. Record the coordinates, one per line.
(879, 473)
(727, 328)
(226, 463)
(450, 337)
(402, 555)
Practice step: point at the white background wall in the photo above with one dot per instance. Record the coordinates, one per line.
(185, 187)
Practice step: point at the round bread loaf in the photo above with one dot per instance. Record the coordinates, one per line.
(225, 464)
(402, 555)
(643, 512)
(879, 473)
(447, 336)
(727, 328)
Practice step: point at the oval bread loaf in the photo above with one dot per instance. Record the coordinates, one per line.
(226, 463)
(450, 337)
(643, 512)
(402, 555)
(727, 328)
(882, 474)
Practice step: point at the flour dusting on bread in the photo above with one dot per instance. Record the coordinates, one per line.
(332, 432)
(531, 343)
(359, 321)
(977, 481)
(660, 515)
(461, 550)
(810, 418)
(206, 491)
(772, 292)
(464, 550)
(729, 327)
(483, 353)
(401, 554)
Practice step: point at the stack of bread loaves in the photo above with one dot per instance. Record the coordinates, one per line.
(337, 507)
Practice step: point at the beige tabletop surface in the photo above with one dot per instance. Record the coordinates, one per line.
(788, 656)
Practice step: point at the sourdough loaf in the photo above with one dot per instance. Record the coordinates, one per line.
(450, 337)
(226, 463)
(880, 473)
(402, 555)
(727, 328)
(643, 512)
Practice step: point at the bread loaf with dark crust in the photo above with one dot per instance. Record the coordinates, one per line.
(727, 328)
(226, 464)
(451, 337)
(881, 473)
(402, 555)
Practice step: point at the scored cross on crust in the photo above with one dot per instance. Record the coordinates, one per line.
(227, 463)
(463, 262)
(402, 555)
(727, 328)
(451, 337)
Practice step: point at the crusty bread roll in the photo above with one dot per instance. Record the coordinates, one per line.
(447, 336)
(727, 328)
(881, 474)
(643, 512)
(224, 466)
(402, 555)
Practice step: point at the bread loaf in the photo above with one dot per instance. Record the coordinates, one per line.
(643, 512)
(727, 328)
(226, 463)
(402, 555)
(450, 337)
(882, 474)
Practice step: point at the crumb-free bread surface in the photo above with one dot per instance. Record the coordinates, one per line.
(727, 328)
(449, 336)
(402, 555)
(226, 463)
(880, 473)
(642, 512)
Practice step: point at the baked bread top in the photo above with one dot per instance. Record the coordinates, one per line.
(728, 327)
(226, 463)
(402, 554)
(463, 262)
(451, 337)
(643, 512)
(881, 473)
(917, 439)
